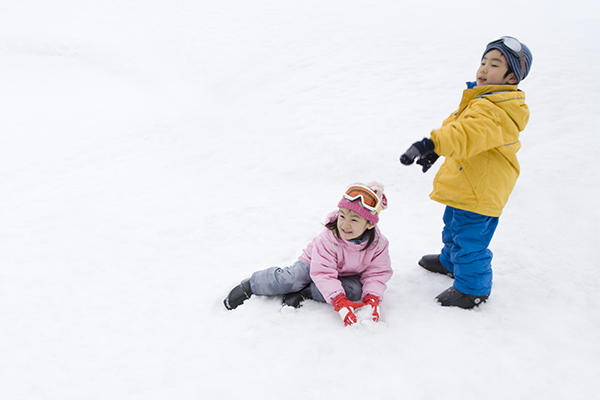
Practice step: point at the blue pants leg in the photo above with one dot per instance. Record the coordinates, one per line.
(276, 281)
(466, 238)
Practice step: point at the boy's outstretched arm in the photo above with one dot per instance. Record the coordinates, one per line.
(424, 151)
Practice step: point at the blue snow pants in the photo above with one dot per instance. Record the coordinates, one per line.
(466, 236)
(276, 281)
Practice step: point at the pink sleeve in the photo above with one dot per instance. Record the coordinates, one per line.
(323, 266)
(379, 272)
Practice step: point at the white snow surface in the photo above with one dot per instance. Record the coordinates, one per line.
(155, 153)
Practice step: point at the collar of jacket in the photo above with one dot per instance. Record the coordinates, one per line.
(360, 240)
(476, 91)
(473, 91)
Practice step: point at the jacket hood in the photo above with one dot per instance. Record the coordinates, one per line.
(508, 98)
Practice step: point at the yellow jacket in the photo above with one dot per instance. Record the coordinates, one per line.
(480, 143)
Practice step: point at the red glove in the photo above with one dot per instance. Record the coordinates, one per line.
(346, 309)
(373, 301)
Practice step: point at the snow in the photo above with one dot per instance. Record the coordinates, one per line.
(155, 153)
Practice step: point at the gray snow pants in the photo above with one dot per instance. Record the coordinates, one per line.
(276, 281)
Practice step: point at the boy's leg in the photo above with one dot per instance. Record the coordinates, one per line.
(442, 264)
(274, 281)
(469, 254)
(448, 235)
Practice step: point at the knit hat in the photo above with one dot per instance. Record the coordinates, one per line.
(511, 48)
(356, 205)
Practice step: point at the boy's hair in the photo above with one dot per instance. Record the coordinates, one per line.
(332, 226)
(509, 71)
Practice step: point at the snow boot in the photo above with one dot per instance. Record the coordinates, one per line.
(295, 299)
(452, 297)
(238, 295)
(431, 262)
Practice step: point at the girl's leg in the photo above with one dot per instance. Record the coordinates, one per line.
(469, 235)
(351, 284)
(274, 281)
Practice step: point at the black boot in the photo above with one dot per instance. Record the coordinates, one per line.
(431, 262)
(238, 295)
(452, 297)
(295, 299)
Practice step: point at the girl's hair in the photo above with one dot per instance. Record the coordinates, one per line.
(332, 226)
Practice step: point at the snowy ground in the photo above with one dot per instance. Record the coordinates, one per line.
(154, 153)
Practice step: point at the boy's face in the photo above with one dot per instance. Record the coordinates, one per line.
(493, 69)
(351, 225)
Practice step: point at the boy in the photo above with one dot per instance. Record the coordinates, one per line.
(480, 143)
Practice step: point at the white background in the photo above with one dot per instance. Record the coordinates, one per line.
(154, 153)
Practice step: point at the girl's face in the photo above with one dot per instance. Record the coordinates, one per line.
(351, 225)
(492, 70)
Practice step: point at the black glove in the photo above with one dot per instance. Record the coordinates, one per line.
(424, 151)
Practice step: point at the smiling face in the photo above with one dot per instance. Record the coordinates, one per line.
(493, 69)
(351, 225)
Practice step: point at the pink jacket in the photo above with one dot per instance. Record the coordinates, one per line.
(330, 256)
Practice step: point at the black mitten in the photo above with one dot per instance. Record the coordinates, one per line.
(424, 150)
(428, 160)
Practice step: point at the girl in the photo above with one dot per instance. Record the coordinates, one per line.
(348, 262)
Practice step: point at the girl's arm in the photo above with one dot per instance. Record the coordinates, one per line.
(323, 267)
(379, 271)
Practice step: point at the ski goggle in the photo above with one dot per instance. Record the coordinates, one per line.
(514, 47)
(368, 198)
